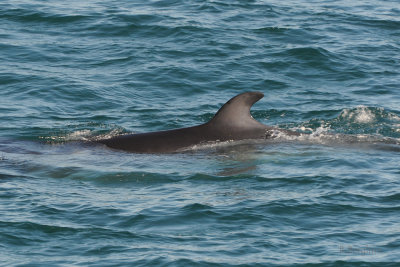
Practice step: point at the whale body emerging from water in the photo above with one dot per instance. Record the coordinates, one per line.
(233, 121)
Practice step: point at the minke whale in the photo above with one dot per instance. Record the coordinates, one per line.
(232, 122)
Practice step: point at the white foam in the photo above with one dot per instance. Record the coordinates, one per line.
(208, 145)
(112, 133)
(361, 114)
(394, 117)
(78, 135)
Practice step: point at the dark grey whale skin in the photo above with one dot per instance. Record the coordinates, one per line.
(233, 121)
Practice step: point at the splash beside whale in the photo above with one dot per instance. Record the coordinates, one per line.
(233, 121)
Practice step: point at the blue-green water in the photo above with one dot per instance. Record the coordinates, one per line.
(72, 71)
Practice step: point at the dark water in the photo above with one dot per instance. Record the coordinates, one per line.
(76, 70)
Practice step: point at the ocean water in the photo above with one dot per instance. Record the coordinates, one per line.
(74, 71)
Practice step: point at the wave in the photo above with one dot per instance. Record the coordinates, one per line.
(35, 16)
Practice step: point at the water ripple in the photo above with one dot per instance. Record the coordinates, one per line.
(73, 72)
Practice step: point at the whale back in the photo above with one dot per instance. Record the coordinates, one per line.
(233, 121)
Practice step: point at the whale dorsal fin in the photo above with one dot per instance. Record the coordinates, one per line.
(236, 112)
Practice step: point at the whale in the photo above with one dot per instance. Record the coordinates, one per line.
(232, 122)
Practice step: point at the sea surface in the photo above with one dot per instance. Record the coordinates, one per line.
(75, 71)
